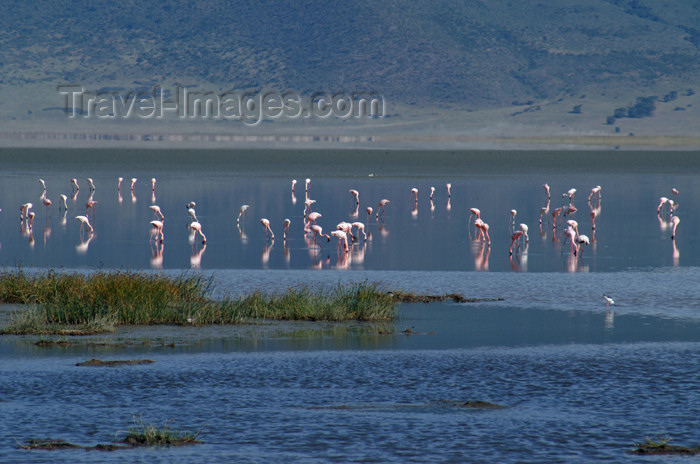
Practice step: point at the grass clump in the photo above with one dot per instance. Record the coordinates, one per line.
(143, 434)
(81, 304)
(662, 446)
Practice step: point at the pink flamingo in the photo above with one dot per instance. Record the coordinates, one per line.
(555, 213)
(318, 231)
(582, 240)
(342, 237)
(382, 205)
(524, 229)
(119, 184)
(267, 229)
(156, 210)
(449, 190)
(89, 205)
(90, 184)
(197, 228)
(474, 212)
(306, 185)
(515, 236)
(675, 220)
(662, 201)
(346, 227)
(414, 191)
(546, 190)
(24, 211)
(432, 192)
(595, 193)
(285, 227)
(84, 221)
(133, 183)
(570, 233)
(46, 201)
(153, 184)
(241, 213)
(294, 183)
(157, 229)
(369, 213)
(64, 203)
(360, 228)
(356, 195)
(74, 184)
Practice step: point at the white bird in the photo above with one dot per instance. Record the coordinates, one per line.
(609, 301)
(90, 184)
(86, 222)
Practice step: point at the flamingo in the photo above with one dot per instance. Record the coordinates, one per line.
(382, 205)
(266, 225)
(582, 240)
(513, 213)
(285, 227)
(318, 231)
(546, 190)
(570, 233)
(360, 228)
(46, 201)
(675, 220)
(356, 195)
(190, 205)
(414, 191)
(156, 210)
(43, 184)
(24, 211)
(514, 237)
(91, 184)
(192, 214)
(153, 184)
(157, 229)
(524, 229)
(84, 221)
(608, 301)
(662, 202)
(294, 183)
(369, 213)
(89, 205)
(595, 193)
(342, 237)
(241, 213)
(133, 182)
(474, 212)
(119, 183)
(74, 184)
(197, 228)
(346, 227)
(306, 185)
(449, 190)
(432, 192)
(64, 202)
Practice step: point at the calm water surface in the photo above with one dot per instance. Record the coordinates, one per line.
(580, 382)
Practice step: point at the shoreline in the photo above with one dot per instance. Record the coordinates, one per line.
(282, 141)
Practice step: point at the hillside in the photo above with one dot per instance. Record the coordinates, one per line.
(437, 55)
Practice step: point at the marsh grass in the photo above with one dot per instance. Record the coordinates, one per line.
(662, 446)
(143, 434)
(81, 304)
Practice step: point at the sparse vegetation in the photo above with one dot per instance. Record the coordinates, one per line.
(143, 434)
(662, 446)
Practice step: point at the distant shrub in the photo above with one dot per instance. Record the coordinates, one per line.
(576, 109)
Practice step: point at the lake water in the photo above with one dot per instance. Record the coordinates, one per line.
(581, 382)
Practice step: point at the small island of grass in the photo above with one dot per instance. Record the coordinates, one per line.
(82, 304)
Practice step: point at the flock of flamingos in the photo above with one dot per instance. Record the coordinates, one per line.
(347, 233)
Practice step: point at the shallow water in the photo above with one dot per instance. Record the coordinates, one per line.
(581, 382)
(410, 236)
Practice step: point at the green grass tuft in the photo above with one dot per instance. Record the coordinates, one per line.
(143, 434)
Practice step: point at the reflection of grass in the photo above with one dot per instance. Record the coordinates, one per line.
(79, 304)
